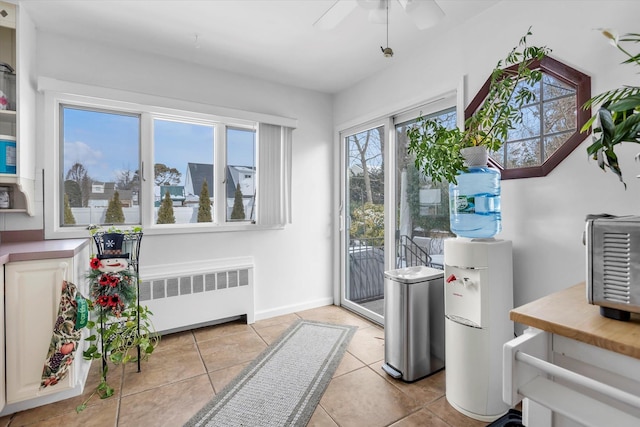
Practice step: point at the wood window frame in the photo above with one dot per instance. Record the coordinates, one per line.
(568, 75)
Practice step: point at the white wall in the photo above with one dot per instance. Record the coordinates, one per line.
(292, 266)
(544, 217)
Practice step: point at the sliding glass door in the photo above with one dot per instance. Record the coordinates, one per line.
(364, 226)
(391, 215)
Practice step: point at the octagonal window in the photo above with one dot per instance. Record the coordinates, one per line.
(550, 127)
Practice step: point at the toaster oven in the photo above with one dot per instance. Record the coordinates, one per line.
(613, 264)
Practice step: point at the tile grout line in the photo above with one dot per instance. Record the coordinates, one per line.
(204, 365)
(120, 395)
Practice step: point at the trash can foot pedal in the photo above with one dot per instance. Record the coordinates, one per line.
(389, 370)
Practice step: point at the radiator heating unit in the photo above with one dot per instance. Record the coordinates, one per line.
(188, 295)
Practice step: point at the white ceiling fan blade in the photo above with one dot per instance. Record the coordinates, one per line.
(335, 14)
(424, 13)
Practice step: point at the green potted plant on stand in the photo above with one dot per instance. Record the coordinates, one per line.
(445, 154)
(121, 330)
(618, 118)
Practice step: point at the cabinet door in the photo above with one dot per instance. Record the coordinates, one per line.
(32, 295)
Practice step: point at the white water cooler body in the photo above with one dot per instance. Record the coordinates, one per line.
(478, 297)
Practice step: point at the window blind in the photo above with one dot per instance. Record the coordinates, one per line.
(274, 174)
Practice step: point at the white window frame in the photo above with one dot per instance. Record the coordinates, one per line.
(149, 107)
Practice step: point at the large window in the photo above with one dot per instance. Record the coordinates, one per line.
(550, 127)
(121, 163)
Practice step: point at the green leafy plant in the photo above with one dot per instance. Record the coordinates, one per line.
(121, 338)
(618, 118)
(437, 148)
(93, 229)
(367, 222)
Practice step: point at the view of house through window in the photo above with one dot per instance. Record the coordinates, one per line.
(100, 167)
(183, 171)
(241, 174)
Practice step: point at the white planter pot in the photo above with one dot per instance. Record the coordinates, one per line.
(475, 156)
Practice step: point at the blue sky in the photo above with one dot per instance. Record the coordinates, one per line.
(105, 143)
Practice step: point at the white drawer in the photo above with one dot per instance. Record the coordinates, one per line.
(566, 383)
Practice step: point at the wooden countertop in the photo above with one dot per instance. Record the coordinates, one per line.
(568, 313)
(41, 249)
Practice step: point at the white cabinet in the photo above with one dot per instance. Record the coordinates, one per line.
(32, 295)
(572, 367)
(17, 122)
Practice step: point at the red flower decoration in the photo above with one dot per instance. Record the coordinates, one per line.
(114, 301)
(95, 263)
(113, 280)
(103, 300)
(104, 280)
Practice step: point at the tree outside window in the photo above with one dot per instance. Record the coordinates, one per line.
(366, 186)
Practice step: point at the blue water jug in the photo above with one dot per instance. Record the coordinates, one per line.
(474, 203)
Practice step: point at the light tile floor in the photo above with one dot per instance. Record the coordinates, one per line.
(189, 368)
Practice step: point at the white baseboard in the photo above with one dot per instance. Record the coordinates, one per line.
(281, 311)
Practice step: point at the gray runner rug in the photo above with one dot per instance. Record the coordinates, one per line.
(284, 384)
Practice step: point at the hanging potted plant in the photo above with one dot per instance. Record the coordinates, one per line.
(439, 151)
(618, 118)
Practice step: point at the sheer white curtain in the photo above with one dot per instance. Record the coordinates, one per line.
(274, 175)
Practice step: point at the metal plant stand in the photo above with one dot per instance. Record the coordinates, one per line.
(130, 245)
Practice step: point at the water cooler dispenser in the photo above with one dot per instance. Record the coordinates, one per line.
(478, 296)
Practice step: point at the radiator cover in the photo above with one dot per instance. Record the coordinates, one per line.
(189, 295)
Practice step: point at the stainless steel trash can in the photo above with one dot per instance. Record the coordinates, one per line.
(413, 322)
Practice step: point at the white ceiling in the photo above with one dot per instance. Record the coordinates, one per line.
(270, 39)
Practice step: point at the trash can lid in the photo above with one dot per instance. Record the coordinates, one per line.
(415, 274)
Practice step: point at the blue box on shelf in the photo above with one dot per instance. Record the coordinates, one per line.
(7, 154)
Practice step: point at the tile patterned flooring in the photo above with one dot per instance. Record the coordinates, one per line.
(189, 368)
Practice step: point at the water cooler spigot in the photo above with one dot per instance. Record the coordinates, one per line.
(465, 281)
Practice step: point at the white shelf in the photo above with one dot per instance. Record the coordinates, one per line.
(17, 41)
